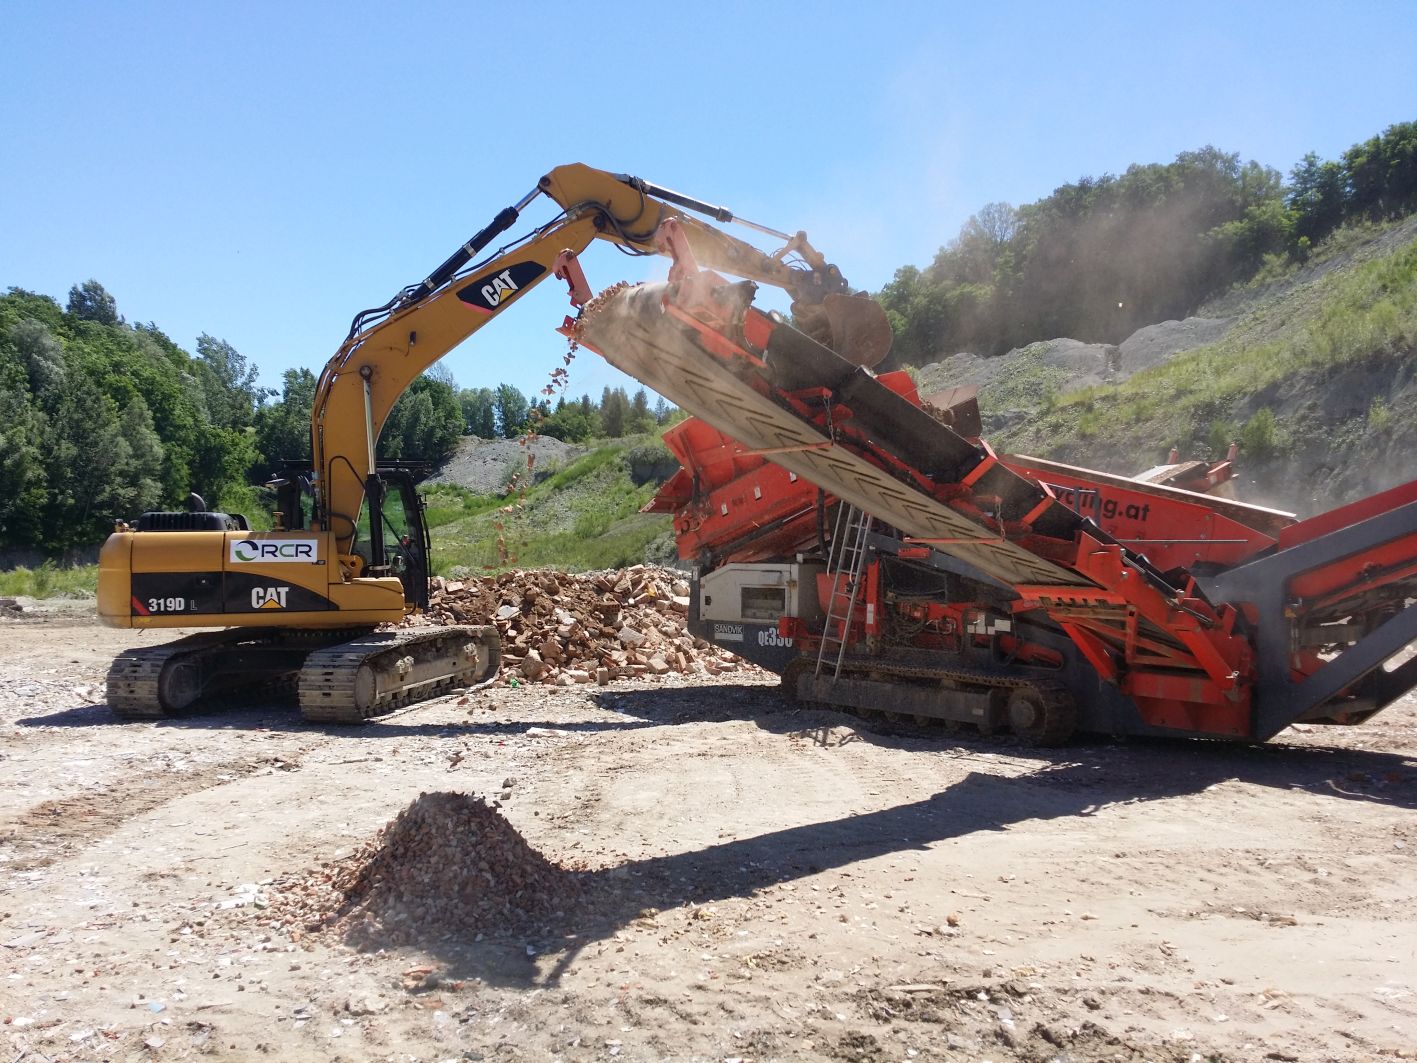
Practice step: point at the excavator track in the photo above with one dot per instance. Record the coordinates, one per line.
(339, 679)
(204, 670)
(365, 677)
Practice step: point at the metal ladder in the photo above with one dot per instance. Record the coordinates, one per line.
(847, 560)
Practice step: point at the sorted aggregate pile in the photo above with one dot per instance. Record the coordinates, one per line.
(448, 866)
(562, 628)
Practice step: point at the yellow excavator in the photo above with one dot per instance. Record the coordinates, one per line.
(311, 602)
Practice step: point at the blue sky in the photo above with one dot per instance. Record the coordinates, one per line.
(263, 171)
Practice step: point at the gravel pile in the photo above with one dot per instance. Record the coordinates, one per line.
(562, 628)
(448, 866)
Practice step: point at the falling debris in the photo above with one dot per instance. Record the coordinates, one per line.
(563, 629)
(448, 866)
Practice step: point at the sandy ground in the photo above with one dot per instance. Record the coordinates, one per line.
(768, 883)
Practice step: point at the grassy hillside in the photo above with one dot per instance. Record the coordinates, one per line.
(584, 515)
(1314, 378)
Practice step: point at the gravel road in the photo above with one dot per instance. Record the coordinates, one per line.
(754, 880)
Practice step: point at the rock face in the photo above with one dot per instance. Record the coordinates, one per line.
(562, 628)
(487, 465)
(449, 864)
(1154, 344)
(1068, 364)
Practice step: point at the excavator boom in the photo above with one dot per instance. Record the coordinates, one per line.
(389, 346)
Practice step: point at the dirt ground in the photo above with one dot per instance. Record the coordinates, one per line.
(764, 882)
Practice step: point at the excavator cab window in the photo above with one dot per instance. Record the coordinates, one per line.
(403, 535)
(295, 501)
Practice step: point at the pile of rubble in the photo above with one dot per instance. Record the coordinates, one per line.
(448, 866)
(563, 628)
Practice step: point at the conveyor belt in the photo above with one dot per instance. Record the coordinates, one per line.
(631, 330)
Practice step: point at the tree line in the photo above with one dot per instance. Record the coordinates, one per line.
(504, 412)
(1101, 257)
(102, 419)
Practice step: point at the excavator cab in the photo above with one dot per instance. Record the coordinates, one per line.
(391, 538)
(397, 541)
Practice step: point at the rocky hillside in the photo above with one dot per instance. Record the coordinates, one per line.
(1312, 372)
(487, 466)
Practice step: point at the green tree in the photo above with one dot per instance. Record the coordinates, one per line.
(90, 301)
(570, 423)
(228, 383)
(511, 409)
(87, 460)
(1382, 173)
(1316, 196)
(23, 479)
(614, 411)
(424, 425)
(283, 427)
(42, 354)
(1266, 229)
(479, 412)
(639, 419)
(142, 475)
(221, 463)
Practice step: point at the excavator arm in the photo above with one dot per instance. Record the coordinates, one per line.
(389, 346)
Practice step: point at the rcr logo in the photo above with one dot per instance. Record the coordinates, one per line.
(270, 550)
(500, 286)
(268, 597)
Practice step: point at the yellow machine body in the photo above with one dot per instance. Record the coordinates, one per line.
(239, 579)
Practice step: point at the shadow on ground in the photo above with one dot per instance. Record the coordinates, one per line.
(1077, 781)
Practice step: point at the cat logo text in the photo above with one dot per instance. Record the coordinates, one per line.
(268, 597)
(497, 287)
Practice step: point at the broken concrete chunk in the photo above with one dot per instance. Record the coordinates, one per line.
(630, 637)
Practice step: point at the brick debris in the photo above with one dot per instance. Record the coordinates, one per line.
(564, 628)
(449, 866)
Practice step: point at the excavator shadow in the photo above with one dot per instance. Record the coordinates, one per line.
(1070, 783)
(634, 710)
(267, 717)
(283, 714)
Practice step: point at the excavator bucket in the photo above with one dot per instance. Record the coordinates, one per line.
(854, 326)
